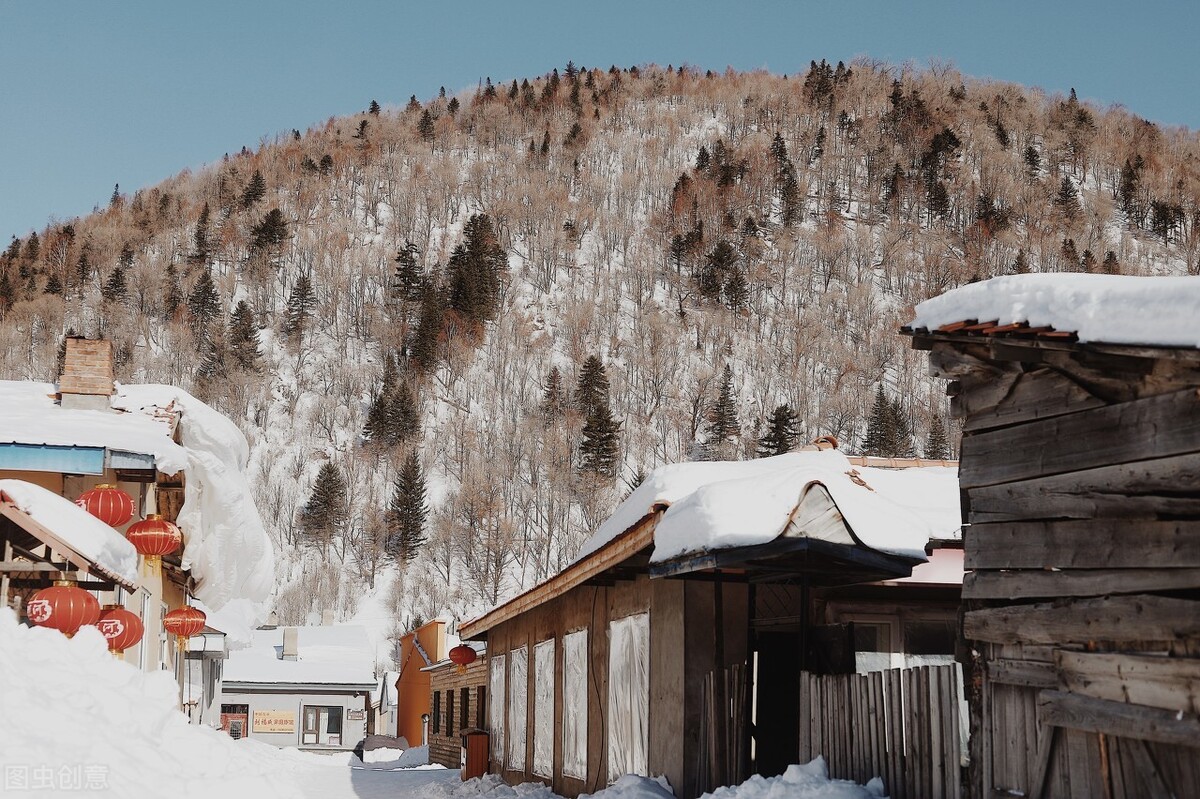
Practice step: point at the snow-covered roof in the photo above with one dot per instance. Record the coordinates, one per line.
(713, 505)
(30, 415)
(339, 654)
(76, 528)
(226, 546)
(1111, 309)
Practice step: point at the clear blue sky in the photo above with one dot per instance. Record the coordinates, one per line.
(95, 93)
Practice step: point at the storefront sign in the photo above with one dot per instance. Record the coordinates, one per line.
(274, 721)
(356, 715)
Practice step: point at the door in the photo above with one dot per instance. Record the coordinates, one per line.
(777, 702)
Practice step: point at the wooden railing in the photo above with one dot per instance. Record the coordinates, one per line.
(902, 725)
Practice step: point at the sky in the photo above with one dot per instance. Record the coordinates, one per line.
(94, 94)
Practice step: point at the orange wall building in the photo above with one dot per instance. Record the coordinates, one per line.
(420, 648)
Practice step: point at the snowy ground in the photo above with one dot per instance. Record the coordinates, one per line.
(74, 719)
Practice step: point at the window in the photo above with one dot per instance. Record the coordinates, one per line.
(323, 725)
(464, 703)
(437, 712)
(496, 708)
(543, 709)
(929, 637)
(628, 696)
(450, 713)
(518, 702)
(480, 704)
(575, 704)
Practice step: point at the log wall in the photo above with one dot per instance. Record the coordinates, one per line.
(1080, 471)
(445, 736)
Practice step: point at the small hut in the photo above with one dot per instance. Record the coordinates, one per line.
(1080, 473)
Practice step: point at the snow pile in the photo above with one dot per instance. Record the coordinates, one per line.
(388, 758)
(31, 416)
(1116, 309)
(74, 716)
(722, 504)
(338, 654)
(78, 529)
(809, 781)
(226, 546)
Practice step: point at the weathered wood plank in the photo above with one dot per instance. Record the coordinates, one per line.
(1098, 544)
(1025, 673)
(1153, 489)
(1084, 713)
(1151, 680)
(1132, 618)
(1156, 427)
(1030, 583)
(1040, 394)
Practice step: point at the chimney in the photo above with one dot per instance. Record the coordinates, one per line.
(291, 644)
(87, 379)
(327, 618)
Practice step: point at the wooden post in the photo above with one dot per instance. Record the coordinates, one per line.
(8, 556)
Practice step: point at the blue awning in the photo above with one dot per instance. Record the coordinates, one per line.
(51, 458)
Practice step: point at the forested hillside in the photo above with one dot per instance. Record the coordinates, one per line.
(456, 331)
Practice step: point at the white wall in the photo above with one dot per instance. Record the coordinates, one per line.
(352, 731)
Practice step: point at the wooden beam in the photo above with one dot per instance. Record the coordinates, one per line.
(1062, 709)
(54, 542)
(1078, 621)
(1025, 673)
(1094, 544)
(1168, 683)
(1157, 427)
(1040, 394)
(1154, 489)
(1030, 584)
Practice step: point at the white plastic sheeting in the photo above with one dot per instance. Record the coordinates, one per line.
(518, 705)
(496, 706)
(628, 696)
(543, 709)
(575, 705)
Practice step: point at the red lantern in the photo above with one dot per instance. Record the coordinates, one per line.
(184, 622)
(154, 536)
(63, 606)
(462, 656)
(120, 627)
(107, 503)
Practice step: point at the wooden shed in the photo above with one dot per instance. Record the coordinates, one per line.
(1080, 473)
(676, 644)
(459, 703)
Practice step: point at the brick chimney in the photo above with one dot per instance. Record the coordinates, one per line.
(291, 644)
(87, 379)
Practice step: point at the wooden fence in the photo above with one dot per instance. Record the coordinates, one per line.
(901, 725)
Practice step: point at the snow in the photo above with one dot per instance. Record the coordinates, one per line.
(31, 416)
(72, 712)
(78, 529)
(225, 544)
(1115, 309)
(333, 655)
(721, 504)
(385, 757)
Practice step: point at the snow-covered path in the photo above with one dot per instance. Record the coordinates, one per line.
(338, 779)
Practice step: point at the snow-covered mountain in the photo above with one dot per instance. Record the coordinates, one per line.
(667, 222)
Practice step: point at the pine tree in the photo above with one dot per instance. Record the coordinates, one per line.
(737, 293)
(300, 305)
(880, 437)
(554, 399)
(717, 266)
(114, 289)
(476, 271)
(243, 337)
(204, 305)
(635, 480)
(200, 243)
(936, 445)
(723, 421)
(172, 293)
(1020, 265)
(409, 282)
(1111, 266)
(782, 434)
(212, 365)
(1088, 263)
(1033, 161)
(272, 231)
(115, 199)
(407, 512)
(256, 189)
(901, 444)
(425, 126)
(83, 270)
(1067, 199)
(599, 449)
(53, 284)
(324, 515)
(373, 109)
(591, 390)
(423, 344)
(376, 427)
